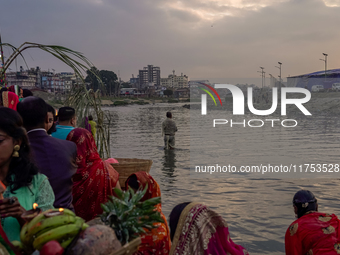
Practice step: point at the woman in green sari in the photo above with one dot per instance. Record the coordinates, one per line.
(25, 185)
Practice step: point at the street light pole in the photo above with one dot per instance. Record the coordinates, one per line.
(271, 80)
(325, 60)
(262, 74)
(280, 72)
(264, 79)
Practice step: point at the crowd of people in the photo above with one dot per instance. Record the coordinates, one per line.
(58, 166)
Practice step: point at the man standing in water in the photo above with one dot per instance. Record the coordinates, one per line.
(168, 130)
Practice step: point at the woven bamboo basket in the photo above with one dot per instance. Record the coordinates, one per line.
(129, 248)
(128, 166)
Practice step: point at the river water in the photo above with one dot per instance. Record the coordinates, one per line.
(258, 210)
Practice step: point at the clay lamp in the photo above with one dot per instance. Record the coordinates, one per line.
(54, 213)
(30, 214)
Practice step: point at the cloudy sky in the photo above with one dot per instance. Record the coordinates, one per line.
(212, 39)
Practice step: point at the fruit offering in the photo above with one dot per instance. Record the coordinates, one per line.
(52, 225)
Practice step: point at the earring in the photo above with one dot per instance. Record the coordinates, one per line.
(15, 152)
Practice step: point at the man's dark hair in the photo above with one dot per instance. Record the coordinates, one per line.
(168, 115)
(26, 93)
(90, 117)
(305, 201)
(66, 113)
(33, 111)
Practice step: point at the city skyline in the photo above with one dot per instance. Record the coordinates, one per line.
(216, 40)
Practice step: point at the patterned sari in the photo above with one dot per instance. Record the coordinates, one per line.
(10, 100)
(157, 240)
(313, 234)
(200, 230)
(94, 180)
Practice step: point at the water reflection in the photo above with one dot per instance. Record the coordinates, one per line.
(169, 162)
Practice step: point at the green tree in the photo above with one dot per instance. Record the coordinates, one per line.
(109, 79)
(168, 92)
(92, 78)
(126, 85)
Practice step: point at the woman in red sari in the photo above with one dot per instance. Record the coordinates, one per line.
(313, 233)
(9, 100)
(198, 230)
(94, 180)
(157, 240)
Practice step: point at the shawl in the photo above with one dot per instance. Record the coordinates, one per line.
(10, 100)
(94, 180)
(313, 233)
(200, 230)
(156, 240)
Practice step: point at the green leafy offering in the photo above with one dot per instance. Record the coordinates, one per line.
(128, 216)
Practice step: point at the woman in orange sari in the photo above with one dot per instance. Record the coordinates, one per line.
(313, 233)
(157, 240)
(94, 180)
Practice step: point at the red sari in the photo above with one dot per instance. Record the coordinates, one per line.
(313, 234)
(157, 240)
(10, 100)
(94, 180)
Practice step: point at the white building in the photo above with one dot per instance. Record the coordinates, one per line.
(175, 82)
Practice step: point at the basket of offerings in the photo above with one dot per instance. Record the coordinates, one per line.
(128, 166)
(129, 248)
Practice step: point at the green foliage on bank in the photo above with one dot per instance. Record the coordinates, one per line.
(120, 103)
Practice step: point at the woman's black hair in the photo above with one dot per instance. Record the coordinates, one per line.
(305, 201)
(133, 182)
(53, 127)
(21, 169)
(174, 218)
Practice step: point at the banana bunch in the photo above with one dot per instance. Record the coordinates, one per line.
(42, 229)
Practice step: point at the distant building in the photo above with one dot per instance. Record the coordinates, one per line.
(316, 78)
(175, 82)
(69, 80)
(27, 79)
(52, 82)
(134, 81)
(149, 76)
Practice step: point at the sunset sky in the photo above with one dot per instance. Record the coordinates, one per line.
(219, 39)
